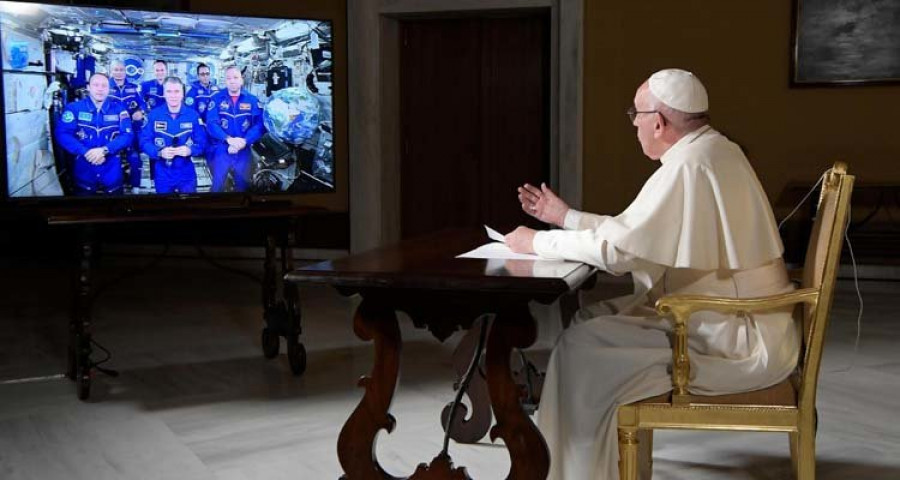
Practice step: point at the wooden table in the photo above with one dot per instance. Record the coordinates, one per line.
(443, 294)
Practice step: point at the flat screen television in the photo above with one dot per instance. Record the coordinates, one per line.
(108, 102)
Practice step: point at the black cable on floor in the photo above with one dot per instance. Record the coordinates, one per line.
(235, 271)
(128, 274)
(132, 272)
(107, 371)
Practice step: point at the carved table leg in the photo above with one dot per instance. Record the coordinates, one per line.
(356, 443)
(475, 428)
(527, 450)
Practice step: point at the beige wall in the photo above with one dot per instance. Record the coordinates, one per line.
(739, 49)
(741, 52)
(336, 11)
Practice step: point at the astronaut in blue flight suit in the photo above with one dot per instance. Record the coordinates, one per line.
(130, 95)
(172, 136)
(95, 129)
(234, 122)
(152, 90)
(201, 91)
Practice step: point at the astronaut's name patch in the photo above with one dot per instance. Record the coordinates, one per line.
(244, 106)
(159, 126)
(111, 118)
(68, 117)
(187, 125)
(85, 116)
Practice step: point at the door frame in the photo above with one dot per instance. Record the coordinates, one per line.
(374, 106)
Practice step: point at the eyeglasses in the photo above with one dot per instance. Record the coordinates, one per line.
(633, 113)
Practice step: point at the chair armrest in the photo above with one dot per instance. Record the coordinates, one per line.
(684, 305)
(681, 307)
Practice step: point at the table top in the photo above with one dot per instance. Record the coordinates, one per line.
(429, 263)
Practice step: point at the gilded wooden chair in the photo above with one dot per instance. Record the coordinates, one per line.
(787, 407)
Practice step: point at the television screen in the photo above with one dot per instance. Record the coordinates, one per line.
(114, 102)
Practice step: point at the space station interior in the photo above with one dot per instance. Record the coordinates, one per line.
(50, 52)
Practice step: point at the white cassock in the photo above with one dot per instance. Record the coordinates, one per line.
(701, 225)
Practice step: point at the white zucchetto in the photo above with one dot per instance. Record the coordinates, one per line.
(680, 90)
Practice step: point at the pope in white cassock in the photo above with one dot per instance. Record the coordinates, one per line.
(700, 225)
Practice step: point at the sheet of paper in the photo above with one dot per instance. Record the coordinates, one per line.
(499, 255)
(494, 235)
(497, 250)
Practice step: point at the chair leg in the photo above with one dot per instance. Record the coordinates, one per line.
(628, 449)
(806, 454)
(795, 458)
(645, 454)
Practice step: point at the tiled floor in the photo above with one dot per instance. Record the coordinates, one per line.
(196, 400)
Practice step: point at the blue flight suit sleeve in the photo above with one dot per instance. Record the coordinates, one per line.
(199, 137)
(190, 97)
(125, 136)
(140, 91)
(256, 130)
(142, 106)
(139, 96)
(189, 92)
(212, 121)
(65, 132)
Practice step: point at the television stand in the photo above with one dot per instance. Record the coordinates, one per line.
(281, 301)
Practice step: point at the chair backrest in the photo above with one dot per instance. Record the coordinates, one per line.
(820, 272)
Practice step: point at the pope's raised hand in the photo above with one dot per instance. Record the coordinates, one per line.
(543, 204)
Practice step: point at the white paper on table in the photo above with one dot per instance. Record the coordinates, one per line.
(497, 250)
(498, 253)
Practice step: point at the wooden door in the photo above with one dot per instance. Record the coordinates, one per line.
(474, 106)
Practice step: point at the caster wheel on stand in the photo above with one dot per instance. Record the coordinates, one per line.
(296, 356)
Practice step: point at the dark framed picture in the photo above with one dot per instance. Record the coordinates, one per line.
(845, 42)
